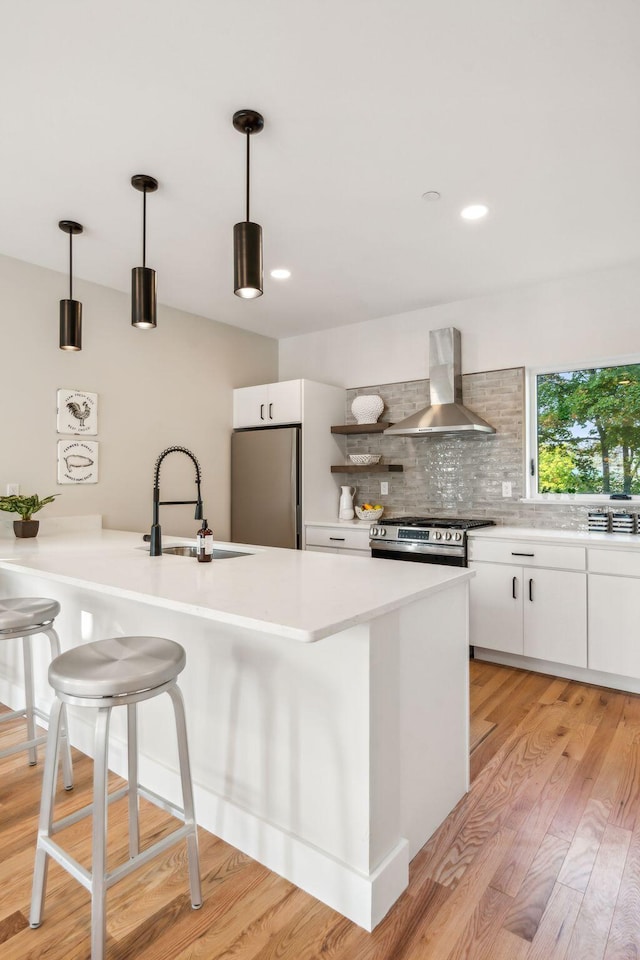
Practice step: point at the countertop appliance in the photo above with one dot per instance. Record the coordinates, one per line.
(424, 539)
(266, 486)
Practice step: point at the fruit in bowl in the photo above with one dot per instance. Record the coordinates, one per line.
(369, 511)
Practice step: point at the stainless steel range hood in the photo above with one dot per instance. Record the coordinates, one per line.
(446, 414)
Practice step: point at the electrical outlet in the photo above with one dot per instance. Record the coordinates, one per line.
(506, 488)
(384, 488)
(13, 489)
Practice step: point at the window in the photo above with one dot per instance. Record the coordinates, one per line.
(586, 431)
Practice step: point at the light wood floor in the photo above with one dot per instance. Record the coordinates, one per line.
(541, 860)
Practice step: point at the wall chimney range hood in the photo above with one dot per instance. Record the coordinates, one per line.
(446, 414)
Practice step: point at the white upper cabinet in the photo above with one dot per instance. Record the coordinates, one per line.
(268, 404)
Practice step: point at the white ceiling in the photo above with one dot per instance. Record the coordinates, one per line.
(531, 106)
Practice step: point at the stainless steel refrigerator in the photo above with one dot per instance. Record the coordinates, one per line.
(266, 487)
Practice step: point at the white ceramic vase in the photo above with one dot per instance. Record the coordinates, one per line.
(345, 508)
(367, 408)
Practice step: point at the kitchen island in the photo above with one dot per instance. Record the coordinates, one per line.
(326, 696)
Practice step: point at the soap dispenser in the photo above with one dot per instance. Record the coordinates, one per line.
(204, 543)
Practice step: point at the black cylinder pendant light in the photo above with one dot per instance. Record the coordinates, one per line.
(247, 236)
(143, 279)
(70, 310)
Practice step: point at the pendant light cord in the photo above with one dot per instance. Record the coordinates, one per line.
(70, 266)
(248, 168)
(144, 227)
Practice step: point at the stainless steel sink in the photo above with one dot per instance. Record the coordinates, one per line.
(190, 550)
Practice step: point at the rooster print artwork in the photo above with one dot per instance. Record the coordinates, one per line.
(77, 412)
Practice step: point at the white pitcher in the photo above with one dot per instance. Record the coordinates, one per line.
(345, 509)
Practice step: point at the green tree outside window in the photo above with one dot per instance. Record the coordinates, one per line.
(589, 431)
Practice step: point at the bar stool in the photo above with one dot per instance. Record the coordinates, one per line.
(21, 618)
(102, 675)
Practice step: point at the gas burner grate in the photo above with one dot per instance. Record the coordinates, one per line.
(450, 523)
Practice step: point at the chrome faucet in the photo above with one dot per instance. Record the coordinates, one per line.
(156, 537)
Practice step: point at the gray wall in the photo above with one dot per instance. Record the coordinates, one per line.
(172, 385)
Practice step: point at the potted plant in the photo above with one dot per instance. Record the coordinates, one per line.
(26, 507)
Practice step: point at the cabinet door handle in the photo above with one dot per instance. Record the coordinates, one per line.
(342, 539)
(270, 411)
(513, 588)
(262, 411)
(531, 590)
(514, 554)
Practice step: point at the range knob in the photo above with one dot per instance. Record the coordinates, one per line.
(437, 535)
(458, 536)
(374, 531)
(381, 531)
(447, 535)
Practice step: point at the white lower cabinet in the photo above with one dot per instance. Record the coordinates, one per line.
(614, 600)
(495, 614)
(530, 610)
(347, 541)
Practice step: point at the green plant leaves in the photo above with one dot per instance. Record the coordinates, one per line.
(25, 506)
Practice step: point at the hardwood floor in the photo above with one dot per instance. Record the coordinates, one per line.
(540, 861)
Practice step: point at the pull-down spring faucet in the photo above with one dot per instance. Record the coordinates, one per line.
(156, 536)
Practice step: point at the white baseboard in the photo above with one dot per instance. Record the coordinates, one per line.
(581, 674)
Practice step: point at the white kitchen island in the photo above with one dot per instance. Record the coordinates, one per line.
(326, 696)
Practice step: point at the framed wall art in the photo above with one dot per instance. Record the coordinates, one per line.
(77, 412)
(77, 461)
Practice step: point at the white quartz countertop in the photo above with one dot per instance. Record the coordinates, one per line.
(296, 594)
(619, 541)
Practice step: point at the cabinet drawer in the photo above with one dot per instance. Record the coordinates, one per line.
(528, 554)
(624, 563)
(338, 537)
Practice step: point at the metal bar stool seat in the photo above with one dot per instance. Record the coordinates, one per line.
(21, 618)
(102, 675)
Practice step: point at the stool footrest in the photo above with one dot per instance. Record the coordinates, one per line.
(83, 876)
(86, 811)
(159, 801)
(14, 715)
(24, 745)
(22, 715)
(77, 871)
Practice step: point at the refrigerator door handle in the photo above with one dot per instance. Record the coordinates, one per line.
(294, 504)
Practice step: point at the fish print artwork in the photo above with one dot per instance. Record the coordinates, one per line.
(77, 461)
(77, 412)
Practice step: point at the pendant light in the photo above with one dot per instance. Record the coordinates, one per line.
(247, 236)
(143, 279)
(70, 310)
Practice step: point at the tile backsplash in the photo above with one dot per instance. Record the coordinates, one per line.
(456, 475)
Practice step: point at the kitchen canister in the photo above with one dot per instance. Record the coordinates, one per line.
(367, 408)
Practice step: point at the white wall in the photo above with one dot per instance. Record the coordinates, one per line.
(156, 388)
(588, 317)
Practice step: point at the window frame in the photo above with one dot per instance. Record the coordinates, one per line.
(531, 431)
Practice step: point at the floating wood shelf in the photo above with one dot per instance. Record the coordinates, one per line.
(361, 427)
(368, 468)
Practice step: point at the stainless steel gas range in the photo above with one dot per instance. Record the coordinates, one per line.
(423, 539)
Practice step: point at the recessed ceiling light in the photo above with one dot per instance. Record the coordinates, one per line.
(431, 195)
(281, 274)
(474, 212)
